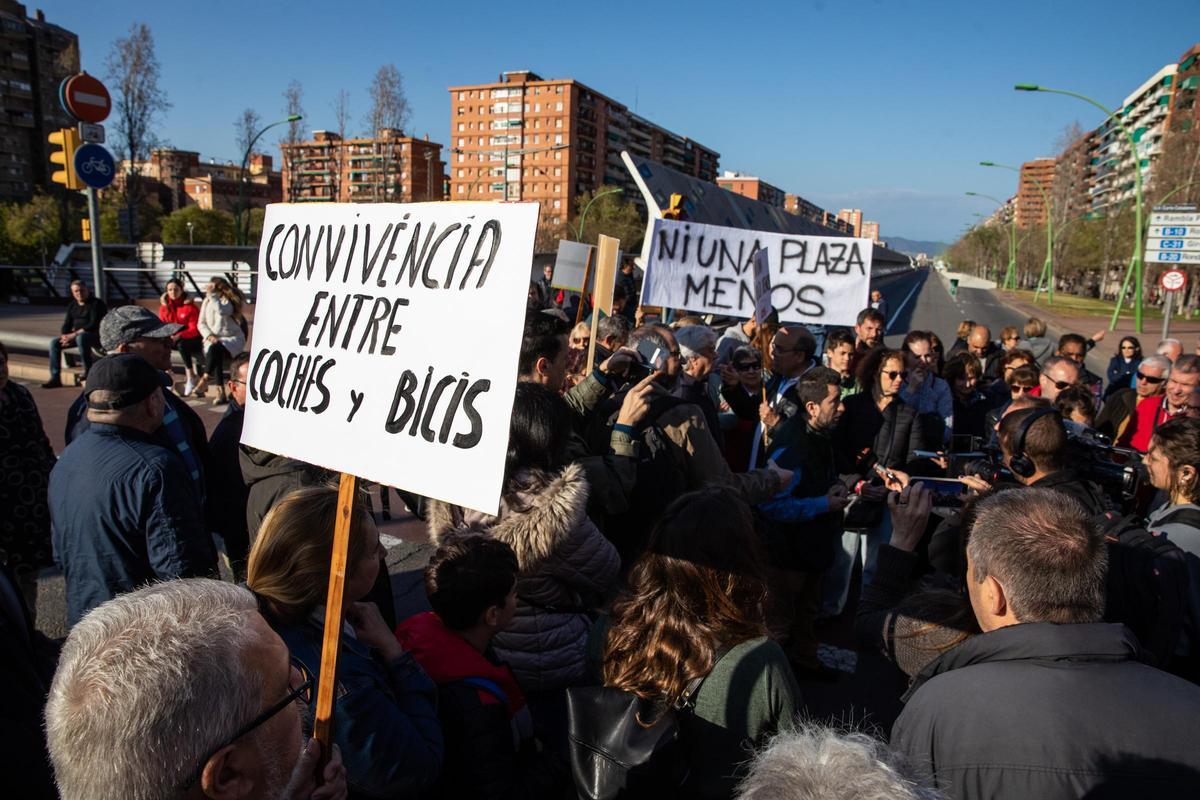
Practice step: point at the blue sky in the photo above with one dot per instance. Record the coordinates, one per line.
(886, 105)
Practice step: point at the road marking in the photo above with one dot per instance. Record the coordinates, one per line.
(900, 310)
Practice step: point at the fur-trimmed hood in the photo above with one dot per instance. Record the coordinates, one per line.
(531, 521)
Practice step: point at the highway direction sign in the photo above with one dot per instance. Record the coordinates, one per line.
(1181, 257)
(1173, 244)
(1174, 232)
(1172, 280)
(95, 166)
(1176, 218)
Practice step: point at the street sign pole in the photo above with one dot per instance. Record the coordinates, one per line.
(1171, 281)
(1167, 315)
(97, 265)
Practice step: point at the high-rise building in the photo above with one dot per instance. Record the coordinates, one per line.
(754, 188)
(173, 179)
(870, 230)
(527, 138)
(853, 217)
(389, 167)
(1036, 177)
(795, 204)
(1184, 111)
(1073, 177)
(35, 56)
(1143, 114)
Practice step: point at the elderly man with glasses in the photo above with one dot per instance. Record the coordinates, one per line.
(1130, 415)
(190, 671)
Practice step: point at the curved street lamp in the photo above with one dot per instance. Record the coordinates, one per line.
(1010, 277)
(595, 197)
(1135, 262)
(244, 233)
(1047, 275)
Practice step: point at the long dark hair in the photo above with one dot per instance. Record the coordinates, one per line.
(1137, 347)
(537, 436)
(698, 588)
(872, 365)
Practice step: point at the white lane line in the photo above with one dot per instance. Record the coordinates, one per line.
(895, 316)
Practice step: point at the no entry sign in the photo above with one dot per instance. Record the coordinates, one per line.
(1172, 280)
(86, 98)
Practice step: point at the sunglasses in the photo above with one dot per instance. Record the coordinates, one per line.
(1060, 385)
(892, 374)
(748, 367)
(1017, 388)
(1149, 378)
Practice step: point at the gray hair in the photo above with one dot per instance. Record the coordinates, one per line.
(695, 338)
(818, 763)
(1187, 363)
(1166, 344)
(147, 686)
(614, 326)
(1158, 362)
(1044, 550)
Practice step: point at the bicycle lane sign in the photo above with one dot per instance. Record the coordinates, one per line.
(95, 166)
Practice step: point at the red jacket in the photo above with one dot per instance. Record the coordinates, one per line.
(445, 656)
(185, 314)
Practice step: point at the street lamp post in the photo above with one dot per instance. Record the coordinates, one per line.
(1010, 277)
(1135, 263)
(1047, 275)
(595, 197)
(191, 239)
(243, 233)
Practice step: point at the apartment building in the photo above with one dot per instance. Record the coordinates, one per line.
(854, 218)
(1073, 178)
(870, 230)
(1143, 115)
(35, 56)
(1035, 185)
(388, 167)
(752, 187)
(528, 138)
(173, 179)
(1183, 111)
(795, 204)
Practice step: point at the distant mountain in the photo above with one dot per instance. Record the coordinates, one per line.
(913, 246)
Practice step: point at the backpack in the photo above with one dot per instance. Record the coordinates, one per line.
(1147, 584)
(660, 475)
(614, 756)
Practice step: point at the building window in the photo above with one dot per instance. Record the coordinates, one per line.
(462, 157)
(558, 203)
(558, 106)
(461, 127)
(558, 138)
(558, 155)
(557, 171)
(460, 172)
(558, 89)
(537, 107)
(558, 122)
(462, 95)
(461, 189)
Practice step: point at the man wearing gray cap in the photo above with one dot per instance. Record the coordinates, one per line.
(133, 329)
(122, 510)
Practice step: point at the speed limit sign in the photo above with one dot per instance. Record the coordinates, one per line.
(1172, 280)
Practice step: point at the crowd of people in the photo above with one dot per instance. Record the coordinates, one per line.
(1016, 537)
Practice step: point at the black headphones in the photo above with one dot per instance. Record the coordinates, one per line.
(1021, 464)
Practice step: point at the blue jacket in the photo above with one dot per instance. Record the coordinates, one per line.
(123, 512)
(385, 719)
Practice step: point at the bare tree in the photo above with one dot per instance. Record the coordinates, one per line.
(247, 127)
(293, 106)
(133, 72)
(341, 118)
(386, 119)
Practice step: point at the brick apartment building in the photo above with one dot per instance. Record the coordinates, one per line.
(528, 138)
(35, 56)
(795, 204)
(870, 230)
(1036, 177)
(174, 179)
(754, 188)
(389, 167)
(1073, 174)
(854, 218)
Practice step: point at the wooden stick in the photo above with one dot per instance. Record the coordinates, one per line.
(334, 616)
(587, 276)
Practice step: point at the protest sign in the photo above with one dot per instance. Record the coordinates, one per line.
(358, 363)
(708, 269)
(762, 287)
(602, 299)
(570, 266)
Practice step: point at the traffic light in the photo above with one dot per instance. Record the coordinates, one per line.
(67, 139)
(86, 226)
(676, 209)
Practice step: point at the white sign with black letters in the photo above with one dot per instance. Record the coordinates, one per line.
(386, 339)
(708, 269)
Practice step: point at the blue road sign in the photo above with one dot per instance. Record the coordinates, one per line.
(95, 166)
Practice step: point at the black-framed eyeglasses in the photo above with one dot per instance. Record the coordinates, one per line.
(303, 692)
(891, 373)
(1060, 385)
(748, 366)
(1149, 378)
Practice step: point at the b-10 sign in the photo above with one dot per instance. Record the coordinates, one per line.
(709, 269)
(361, 361)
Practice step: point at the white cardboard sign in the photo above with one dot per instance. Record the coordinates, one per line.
(360, 362)
(762, 287)
(709, 269)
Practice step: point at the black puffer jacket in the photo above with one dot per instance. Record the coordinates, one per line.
(1052, 711)
(892, 435)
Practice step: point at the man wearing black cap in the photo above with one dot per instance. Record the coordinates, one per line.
(123, 510)
(133, 329)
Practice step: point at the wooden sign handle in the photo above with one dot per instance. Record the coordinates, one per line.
(334, 615)
(587, 276)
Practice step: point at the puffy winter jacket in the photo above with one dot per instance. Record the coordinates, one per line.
(183, 313)
(216, 319)
(567, 569)
(268, 478)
